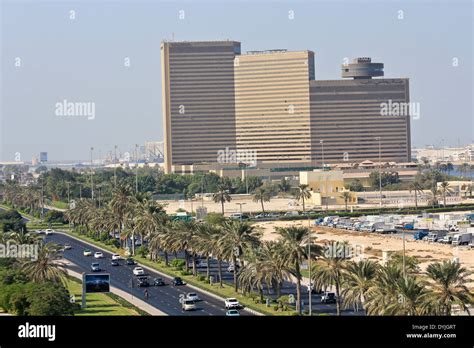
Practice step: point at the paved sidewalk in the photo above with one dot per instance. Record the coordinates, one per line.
(125, 295)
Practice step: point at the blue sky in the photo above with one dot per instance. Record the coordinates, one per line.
(82, 59)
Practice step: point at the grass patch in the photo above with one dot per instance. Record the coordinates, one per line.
(100, 304)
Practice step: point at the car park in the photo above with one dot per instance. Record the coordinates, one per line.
(99, 255)
(159, 282)
(138, 271)
(232, 313)
(95, 267)
(177, 281)
(232, 303)
(87, 252)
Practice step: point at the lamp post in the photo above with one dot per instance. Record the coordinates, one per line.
(380, 169)
(92, 180)
(240, 204)
(309, 269)
(136, 168)
(322, 152)
(115, 165)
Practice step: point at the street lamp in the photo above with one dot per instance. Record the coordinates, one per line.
(136, 168)
(309, 269)
(322, 152)
(115, 165)
(380, 169)
(92, 182)
(240, 204)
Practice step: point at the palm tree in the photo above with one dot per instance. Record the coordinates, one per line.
(449, 286)
(221, 196)
(445, 189)
(275, 266)
(252, 274)
(120, 205)
(346, 195)
(329, 270)
(358, 279)
(303, 193)
(206, 243)
(417, 188)
(45, 267)
(294, 241)
(236, 240)
(261, 195)
(434, 193)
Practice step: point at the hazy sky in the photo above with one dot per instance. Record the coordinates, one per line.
(82, 60)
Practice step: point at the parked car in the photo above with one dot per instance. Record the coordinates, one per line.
(114, 263)
(116, 257)
(462, 239)
(159, 282)
(232, 303)
(142, 282)
(188, 305)
(138, 271)
(433, 236)
(292, 213)
(130, 261)
(232, 313)
(177, 281)
(87, 252)
(99, 255)
(419, 235)
(273, 215)
(328, 297)
(232, 268)
(95, 267)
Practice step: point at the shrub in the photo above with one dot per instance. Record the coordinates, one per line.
(201, 278)
(185, 273)
(142, 251)
(178, 263)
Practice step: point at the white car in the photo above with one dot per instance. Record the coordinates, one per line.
(40, 231)
(188, 305)
(87, 252)
(116, 257)
(232, 268)
(138, 271)
(192, 296)
(48, 231)
(232, 313)
(98, 255)
(231, 303)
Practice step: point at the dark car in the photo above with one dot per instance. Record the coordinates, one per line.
(142, 282)
(328, 297)
(130, 261)
(114, 263)
(177, 281)
(159, 282)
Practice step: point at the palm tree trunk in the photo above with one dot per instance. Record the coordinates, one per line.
(186, 260)
(303, 203)
(338, 299)
(133, 244)
(194, 264)
(166, 258)
(263, 209)
(219, 267)
(260, 291)
(208, 270)
(222, 204)
(298, 294)
(416, 200)
(444, 198)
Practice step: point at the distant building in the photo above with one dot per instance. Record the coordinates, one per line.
(267, 109)
(43, 157)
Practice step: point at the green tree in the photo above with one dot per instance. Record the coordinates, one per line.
(261, 195)
(303, 193)
(222, 196)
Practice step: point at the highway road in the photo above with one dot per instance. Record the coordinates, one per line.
(165, 298)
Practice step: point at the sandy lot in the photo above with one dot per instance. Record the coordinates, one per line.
(374, 244)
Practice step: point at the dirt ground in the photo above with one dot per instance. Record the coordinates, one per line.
(373, 245)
